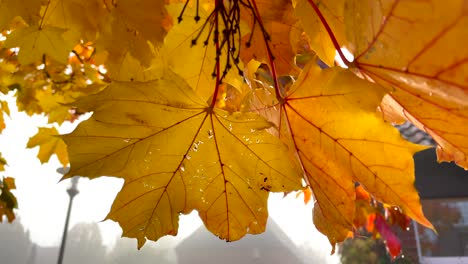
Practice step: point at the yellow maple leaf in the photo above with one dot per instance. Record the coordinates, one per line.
(81, 16)
(422, 56)
(341, 140)
(35, 41)
(275, 21)
(320, 42)
(176, 154)
(3, 162)
(49, 143)
(8, 200)
(27, 10)
(133, 27)
(4, 109)
(195, 63)
(148, 17)
(53, 104)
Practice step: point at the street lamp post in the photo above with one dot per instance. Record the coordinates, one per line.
(72, 192)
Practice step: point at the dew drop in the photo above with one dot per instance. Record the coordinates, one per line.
(126, 140)
(252, 130)
(210, 133)
(188, 157)
(230, 127)
(182, 168)
(257, 141)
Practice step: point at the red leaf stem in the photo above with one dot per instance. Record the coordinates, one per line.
(330, 32)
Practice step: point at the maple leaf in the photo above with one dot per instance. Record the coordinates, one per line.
(187, 52)
(4, 109)
(9, 9)
(53, 103)
(7, 199)
(364, 210)
(154, 128)
(320, 42)
(392, 242)
(35, 41)
(177, 154)
(148, 17)
(408, 53)
(49, 143)
(332, 120)
(131, 27)
(272, 24)
(3, 162)
(83, 17)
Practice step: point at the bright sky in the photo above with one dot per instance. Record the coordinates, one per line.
(43, 200)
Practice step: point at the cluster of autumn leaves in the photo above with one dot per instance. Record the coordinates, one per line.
(175, 118)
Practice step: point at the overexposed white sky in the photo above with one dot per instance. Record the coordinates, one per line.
(43, 200)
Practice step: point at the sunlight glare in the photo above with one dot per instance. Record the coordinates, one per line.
(347, 55)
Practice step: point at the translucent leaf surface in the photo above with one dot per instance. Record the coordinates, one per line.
(34, 42)
(418, 50)
(176, 154)
(27, 10)
(49, 144)
(341, 140)
(320, 42)
(278, 23)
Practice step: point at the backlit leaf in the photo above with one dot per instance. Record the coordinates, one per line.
(27, 10)
(148, 17)
(130, 28)
(341, 140)
(4, 109)
(278, 21)
(418, 50)
(34, 42)
(82, 16)
(49, 144)
(188, 127)
(8, 200)
(195, 63)
(320, 42)
(3, 162)
(176, 154)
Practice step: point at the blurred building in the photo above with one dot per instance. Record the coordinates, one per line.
(443, 188)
